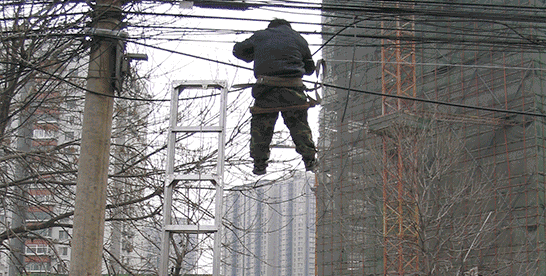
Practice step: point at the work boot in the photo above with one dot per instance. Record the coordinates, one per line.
(310, 164)
(259, 168)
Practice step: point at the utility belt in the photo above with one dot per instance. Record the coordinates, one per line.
(278, 81)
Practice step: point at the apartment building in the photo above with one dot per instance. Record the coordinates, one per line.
(272, 229)
(51, 127)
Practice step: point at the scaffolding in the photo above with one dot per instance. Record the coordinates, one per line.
(400, 214)
(378, 154)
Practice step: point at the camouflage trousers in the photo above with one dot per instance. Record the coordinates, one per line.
(262, 125)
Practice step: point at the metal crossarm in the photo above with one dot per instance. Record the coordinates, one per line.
(174, 181)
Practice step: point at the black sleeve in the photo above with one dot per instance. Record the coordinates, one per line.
(244, 50)
(309, 66)
(308, 62)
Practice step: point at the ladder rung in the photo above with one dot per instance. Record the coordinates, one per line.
(197, 129)
(191, 229)
(200, 84)
(193, 177)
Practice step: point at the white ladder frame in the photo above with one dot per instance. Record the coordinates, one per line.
(172, 179)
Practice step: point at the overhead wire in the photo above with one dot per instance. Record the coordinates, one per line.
(349, 89)
(381, 6)
(352, 89)
(496, 110)
(420, 40)
(374, 7)
(328, 7)
(477, 38)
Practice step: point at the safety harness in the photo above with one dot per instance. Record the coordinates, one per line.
(290, 82)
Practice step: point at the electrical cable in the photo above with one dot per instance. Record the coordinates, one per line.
(377, 8)
(350, 79)
(491, 109)
(326, 85)
(349, 89)
(326, 7)
(428, 40)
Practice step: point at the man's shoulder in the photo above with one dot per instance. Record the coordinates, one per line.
(280, 29)
(261, 32)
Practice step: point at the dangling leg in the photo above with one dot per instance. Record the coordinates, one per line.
(261, 133)
(301, 134)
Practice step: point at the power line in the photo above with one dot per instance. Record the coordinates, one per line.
(352, 35)
(431, 8)
(370, 7)
(491, 109)
(349, 89)
(496, 110)
(450, 4)
(466, 38)
(515, 41)
(447, 65)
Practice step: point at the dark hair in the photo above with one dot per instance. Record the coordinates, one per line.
(278, 22)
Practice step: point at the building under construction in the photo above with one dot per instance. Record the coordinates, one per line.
(432, 139)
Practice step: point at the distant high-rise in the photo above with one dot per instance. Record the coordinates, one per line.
(272, 230)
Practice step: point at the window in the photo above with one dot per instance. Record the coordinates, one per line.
(37, 249)
(43, 134)
(63, 235)
(37, 266)
(43, 232)
(43, 199)
(69, 136)
(73, 72)
(73, 119)
(38, 215)
(63, 251)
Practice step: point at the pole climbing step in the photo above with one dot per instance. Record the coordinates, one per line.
(195, 221)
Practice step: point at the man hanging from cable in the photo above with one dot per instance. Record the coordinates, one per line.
(281, 57)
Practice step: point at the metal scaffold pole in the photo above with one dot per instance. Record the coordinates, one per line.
(400, 216)
(174, 181)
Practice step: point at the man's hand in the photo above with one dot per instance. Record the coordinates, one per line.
(309, 66)
(244, 51)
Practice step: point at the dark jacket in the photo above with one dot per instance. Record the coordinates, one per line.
(278, 51)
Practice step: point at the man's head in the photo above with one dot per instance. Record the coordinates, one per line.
(278, 22)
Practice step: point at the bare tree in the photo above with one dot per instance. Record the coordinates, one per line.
(43, 51)
(43, 54)
(440, 206)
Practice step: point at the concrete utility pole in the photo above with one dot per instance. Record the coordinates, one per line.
(90, 205)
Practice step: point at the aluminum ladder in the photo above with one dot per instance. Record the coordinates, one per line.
(172, 179)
